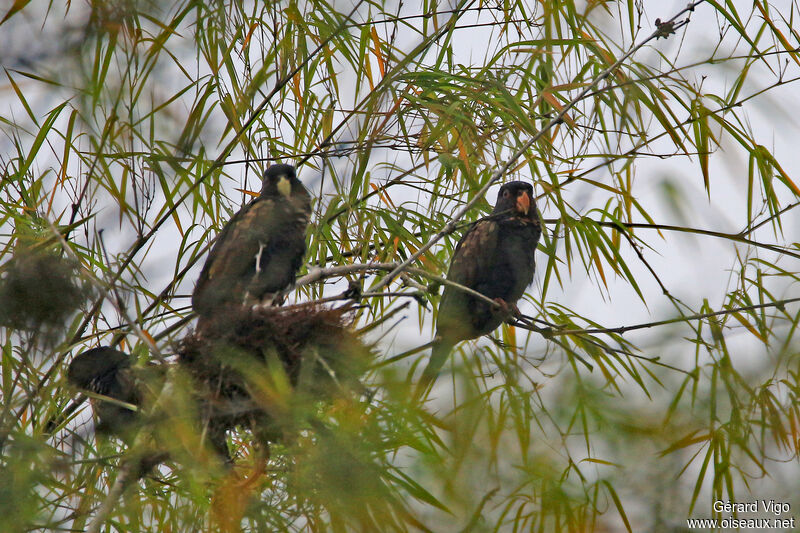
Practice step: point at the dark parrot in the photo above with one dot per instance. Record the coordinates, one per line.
(495, 257)
(259, 251)
(107, 372)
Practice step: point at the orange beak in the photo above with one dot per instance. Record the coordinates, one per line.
(523, 203)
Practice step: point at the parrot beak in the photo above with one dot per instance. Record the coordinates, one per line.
(523, 203)
(284, 186)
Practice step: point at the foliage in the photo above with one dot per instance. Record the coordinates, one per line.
(657, 369)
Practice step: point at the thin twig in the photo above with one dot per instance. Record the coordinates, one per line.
(555, 331)
(636, 248)
(433, 14)
(769, 218)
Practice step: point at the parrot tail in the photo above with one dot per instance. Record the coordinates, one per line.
(441, 350)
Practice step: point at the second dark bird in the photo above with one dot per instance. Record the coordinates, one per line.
(111, 374)
(108, 372)
(258, 252)
(495, 257)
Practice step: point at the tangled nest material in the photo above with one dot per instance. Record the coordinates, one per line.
(40, 290)
(263, 369)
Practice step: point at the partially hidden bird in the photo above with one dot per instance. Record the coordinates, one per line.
(495, 257)
(258, 252)
(122, 391)
(107, 372)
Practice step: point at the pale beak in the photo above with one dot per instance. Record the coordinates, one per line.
(284, 186)
(523, 203)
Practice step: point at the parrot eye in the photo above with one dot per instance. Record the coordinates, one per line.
(506, 194)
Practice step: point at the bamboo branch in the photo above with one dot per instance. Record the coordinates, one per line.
(317, 274)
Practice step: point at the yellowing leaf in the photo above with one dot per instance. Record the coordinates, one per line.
(553, 101)
(249, 193)
(599, 267)
(377, 50)
(750, 328)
